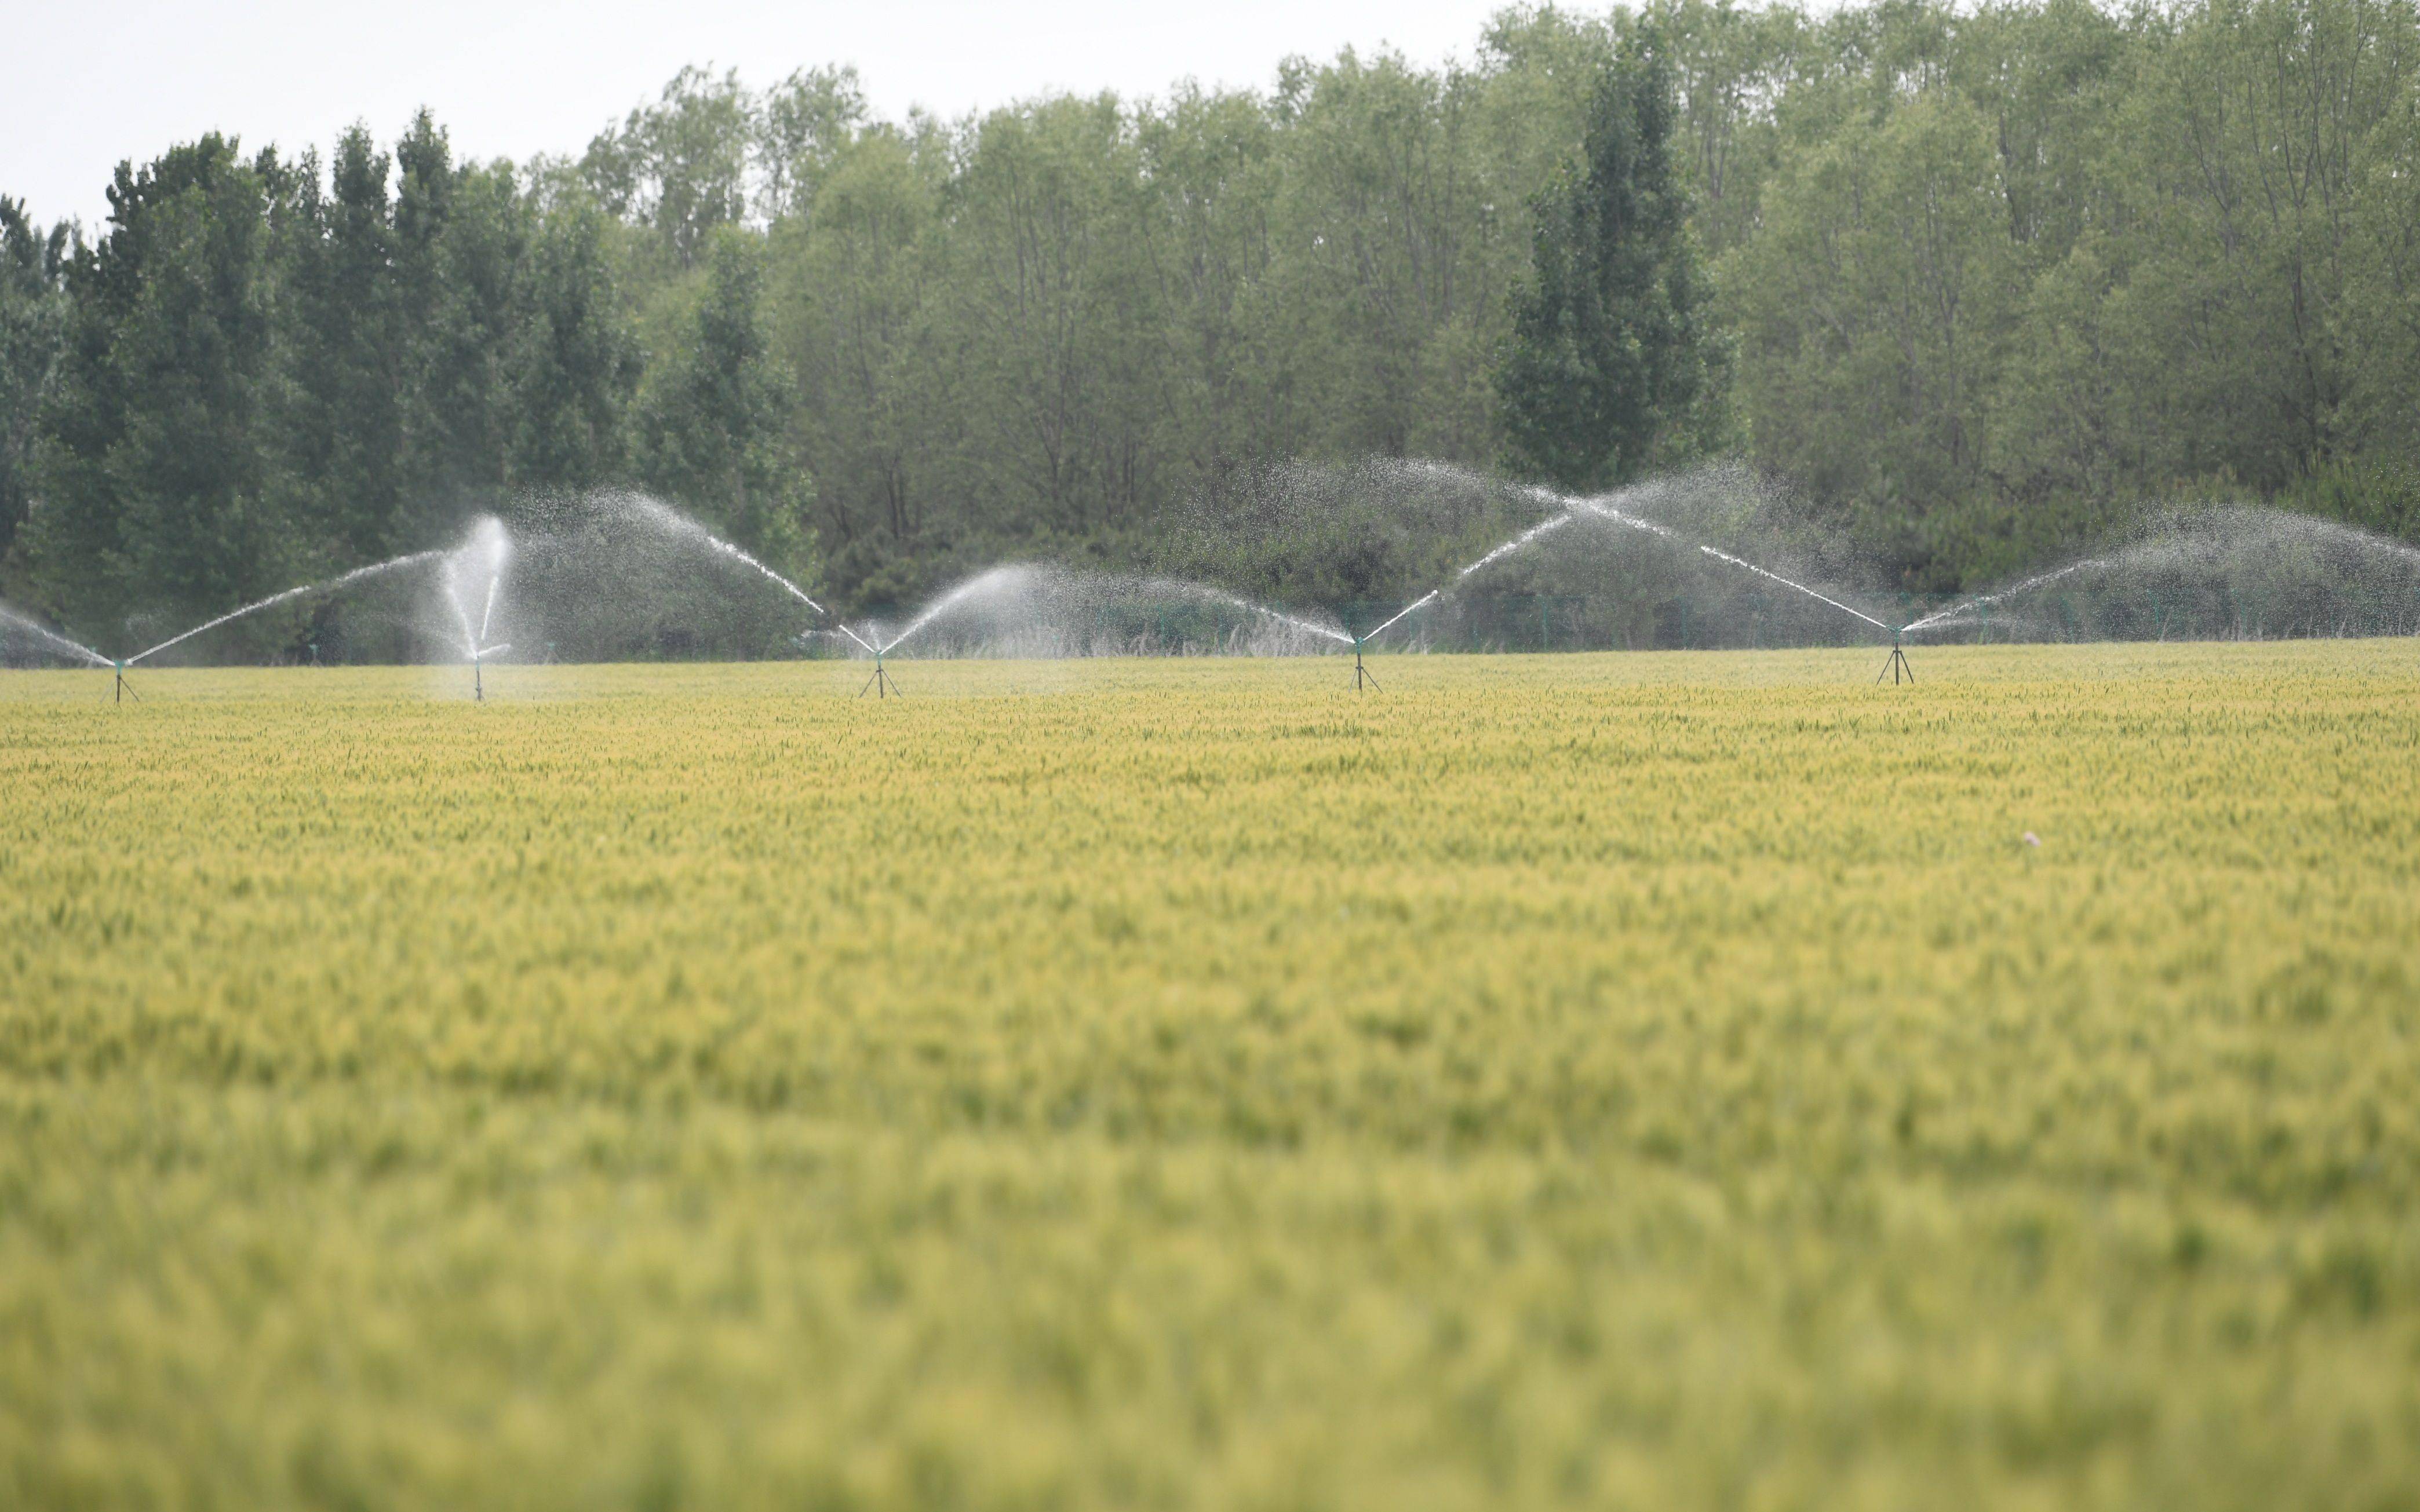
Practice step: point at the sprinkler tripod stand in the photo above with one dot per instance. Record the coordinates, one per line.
(478, 670)
(1897, 665)
(122, 690)
(881, 684)
(1362, 674)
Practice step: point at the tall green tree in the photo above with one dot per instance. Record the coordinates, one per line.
(158, 474)
(714, 420)
(33, 331)
(803, 127)
(848, 286)
(1048, 266)
(1874, 311)
(1371, 291)
(462, 235)
(575, 360)
(1609, 367)
(680, 164)
(340, 338)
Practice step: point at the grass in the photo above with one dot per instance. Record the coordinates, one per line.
(1656, 1081)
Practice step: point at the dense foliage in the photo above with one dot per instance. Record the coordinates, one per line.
(1604, 373)
(1972, 279)
(1613, 1081)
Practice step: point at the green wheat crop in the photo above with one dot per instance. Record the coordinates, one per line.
(1656, 1081)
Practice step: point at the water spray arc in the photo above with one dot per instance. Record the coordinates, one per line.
(663, 516)
(487, 549)
(1957, 611)
(2197, 566)
(120, 689)
(1896, 665)
(2201, 557)
(1024, 599)
(53, 639)
(1569, 509)
(1495, 554)
(326, 585)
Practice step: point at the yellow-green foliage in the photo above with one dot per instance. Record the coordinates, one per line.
(1652, 1082)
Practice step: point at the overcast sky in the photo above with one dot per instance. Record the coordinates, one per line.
(87, 84)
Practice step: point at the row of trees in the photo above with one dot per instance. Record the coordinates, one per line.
(267, 370)
(1971, 278)
(1997, 272)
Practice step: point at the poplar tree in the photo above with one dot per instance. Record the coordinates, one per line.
(461, 236)
(576, 361)
(340, 336)
(1606, 374)
(33, 326)
(156, 471)
(714, 418)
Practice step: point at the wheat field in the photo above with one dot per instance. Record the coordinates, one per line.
(1654, 1081)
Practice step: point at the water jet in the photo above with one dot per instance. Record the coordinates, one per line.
(327, 585)
(488, 547)
(49, 638)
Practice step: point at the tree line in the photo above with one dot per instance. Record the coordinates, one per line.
(1975, 280)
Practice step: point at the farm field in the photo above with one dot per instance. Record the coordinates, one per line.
(1635, 1080)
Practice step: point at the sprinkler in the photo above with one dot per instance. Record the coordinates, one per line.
(881, 684)
(1897, 665)
(119, 668)
(478, 669)
(1362, 674)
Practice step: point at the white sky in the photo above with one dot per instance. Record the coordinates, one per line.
(86, 84)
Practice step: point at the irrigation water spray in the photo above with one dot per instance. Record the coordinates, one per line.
(1035, 608)
(2225, 571)
(1018, 600)
(680, 526)
(1569, 509)
(118, 665)
(1032, 610)
(324, 586)
(1894, 667)
(51, 638)
(485, 554)
(883, 684)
